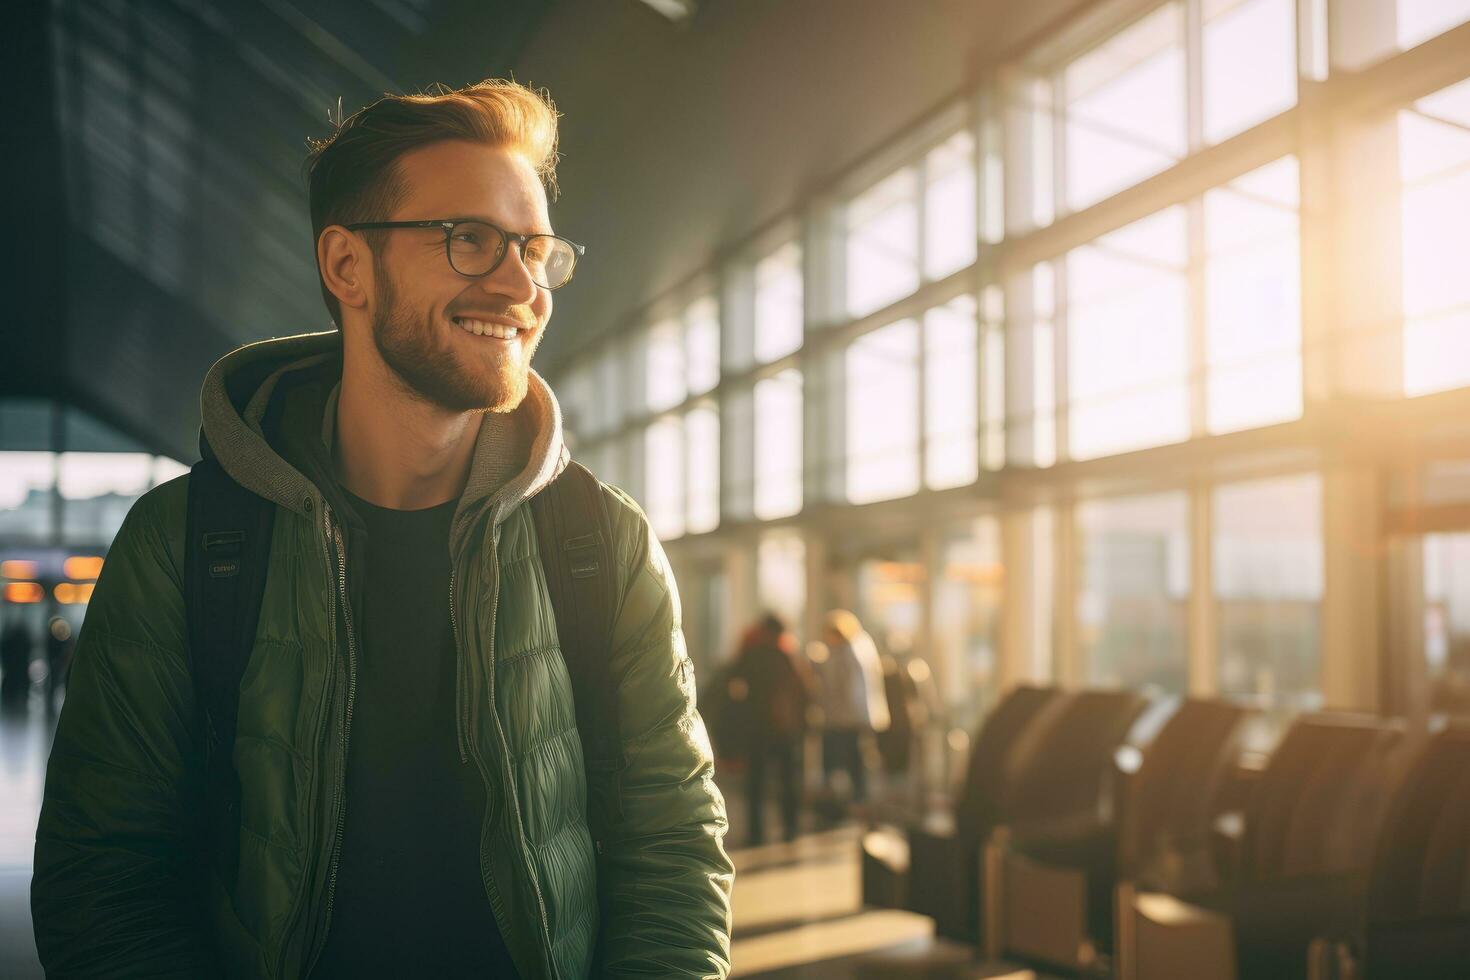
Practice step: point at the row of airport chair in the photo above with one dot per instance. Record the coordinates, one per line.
(1081, 842)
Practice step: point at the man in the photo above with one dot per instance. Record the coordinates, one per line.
(412, 796)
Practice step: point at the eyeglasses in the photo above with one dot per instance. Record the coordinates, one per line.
(476, 248)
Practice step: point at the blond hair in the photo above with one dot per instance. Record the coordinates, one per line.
(352, 175)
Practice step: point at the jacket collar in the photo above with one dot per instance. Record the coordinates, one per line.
(269, 412)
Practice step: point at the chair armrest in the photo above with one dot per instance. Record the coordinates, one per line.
(1171, 938)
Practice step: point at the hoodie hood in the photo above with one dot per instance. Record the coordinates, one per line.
(269, 413)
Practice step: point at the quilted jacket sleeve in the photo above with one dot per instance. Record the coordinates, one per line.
(111, 894)
(666, 877)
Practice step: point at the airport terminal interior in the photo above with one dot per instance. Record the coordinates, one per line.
(1100, 367)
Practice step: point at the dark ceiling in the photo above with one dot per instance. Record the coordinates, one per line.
(158, 147)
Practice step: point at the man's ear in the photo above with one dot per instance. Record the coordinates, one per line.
(345, 265)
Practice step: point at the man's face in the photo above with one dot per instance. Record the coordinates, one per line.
(424, 313)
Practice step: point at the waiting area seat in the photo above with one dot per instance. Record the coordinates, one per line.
(1300, 870)
(1416, 917)
(1040, 769)
(1057, 892)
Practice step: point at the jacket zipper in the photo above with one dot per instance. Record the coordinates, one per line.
(514, 802)
(334, 537)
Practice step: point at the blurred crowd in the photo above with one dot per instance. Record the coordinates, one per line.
(839, 711)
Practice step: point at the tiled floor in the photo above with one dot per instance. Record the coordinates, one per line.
(798, 914)
(23, 745)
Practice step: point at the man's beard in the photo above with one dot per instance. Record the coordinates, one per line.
(430, 367)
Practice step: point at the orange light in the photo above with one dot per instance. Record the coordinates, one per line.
(19, 569)
(24, 592)
(69, 593)
(82, 566)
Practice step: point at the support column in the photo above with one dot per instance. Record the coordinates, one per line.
(742, 600)
(818, 601)
(1026, 647)
(1068, 667)
(1353, 634)
(1406, 681)
(1203, 624)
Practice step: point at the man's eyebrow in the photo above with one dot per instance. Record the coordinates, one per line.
(498, 224)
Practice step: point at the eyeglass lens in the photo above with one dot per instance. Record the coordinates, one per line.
(475, 248)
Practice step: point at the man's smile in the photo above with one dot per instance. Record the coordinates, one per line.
(488, 328)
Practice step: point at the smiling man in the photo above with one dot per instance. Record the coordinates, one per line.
(413, 785)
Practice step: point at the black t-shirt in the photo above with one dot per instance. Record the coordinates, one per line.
(410, 900)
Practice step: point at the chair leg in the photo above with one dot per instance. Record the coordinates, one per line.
(1125, 932)
(992, 884)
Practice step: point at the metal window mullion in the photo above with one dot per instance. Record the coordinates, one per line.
(1194, 75)
(1061, 401)
(1202, 616)
(1197, 359)
(1067, 661)
(1196, 323)
(921, 201)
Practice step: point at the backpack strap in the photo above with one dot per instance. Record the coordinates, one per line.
(574, 533)
(226, 557)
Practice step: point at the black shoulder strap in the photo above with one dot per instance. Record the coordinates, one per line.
(226, 556)
(574, 533)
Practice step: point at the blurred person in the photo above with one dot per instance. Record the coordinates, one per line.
(908, 711)
(854, 705)
(776, 688)
(411, 794)
(15, 665)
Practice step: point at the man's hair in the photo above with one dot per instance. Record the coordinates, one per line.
(353, 175)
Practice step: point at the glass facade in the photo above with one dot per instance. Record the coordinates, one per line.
(1081, 347)
(1133, 590)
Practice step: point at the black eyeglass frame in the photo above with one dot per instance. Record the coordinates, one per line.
(506, 237)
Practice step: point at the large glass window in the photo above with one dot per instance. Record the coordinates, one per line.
(663, 496)
(99, 489)
(778, 445)
(1367, 31)
(664, 377)
(575, 394)
(882, 385)
(77, 498)
(702, 345)
(1031, 402)
(1249, 63)
(1132, 591)
(702, 455)
(778, 303)
(993, 368)
(27, 480)
(883, 243)
(949, 206)
(1419, 20)
(1447, 622)
(1125, 111)
(951, 406)
(1434, 166)
(968, 594)
(781, 575)
(1124, 108)
(1267, 565)
(1127, 338)
(1253, 299)
(737, 453)
(609, 392)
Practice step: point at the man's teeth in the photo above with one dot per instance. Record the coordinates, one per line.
(482, 329)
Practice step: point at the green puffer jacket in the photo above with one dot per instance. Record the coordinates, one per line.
(115, 893)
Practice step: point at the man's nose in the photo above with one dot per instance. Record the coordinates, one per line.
(511, 278)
